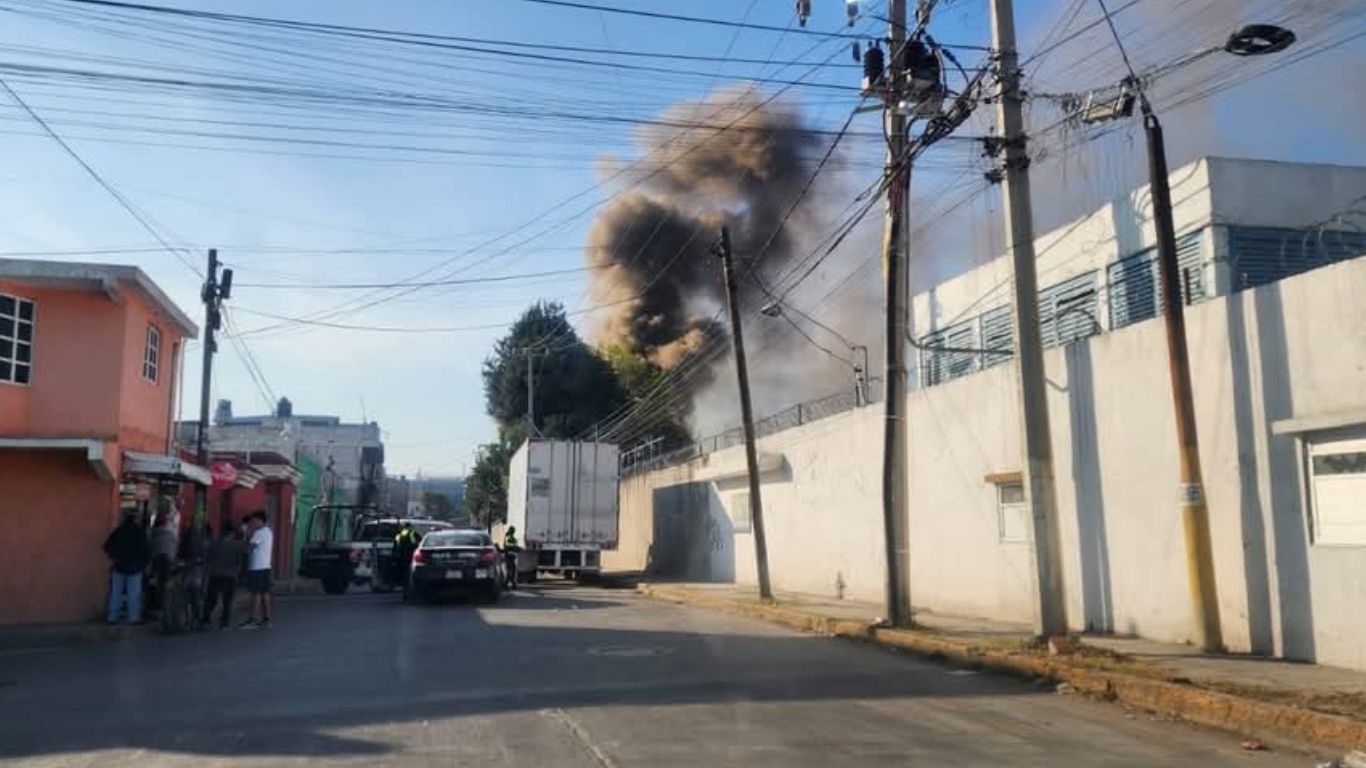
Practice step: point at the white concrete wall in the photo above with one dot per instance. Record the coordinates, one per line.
(1293, 349)
(1269, 193)
(822, 509)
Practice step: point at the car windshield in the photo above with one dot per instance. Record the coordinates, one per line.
(457, 539)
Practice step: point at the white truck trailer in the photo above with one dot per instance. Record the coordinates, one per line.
(562, 496)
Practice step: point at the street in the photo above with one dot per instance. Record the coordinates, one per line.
(552, 675)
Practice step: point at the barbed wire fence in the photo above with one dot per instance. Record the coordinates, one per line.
(649, 454)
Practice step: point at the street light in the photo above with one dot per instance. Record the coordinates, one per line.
(1251, 40)
(1115, 102)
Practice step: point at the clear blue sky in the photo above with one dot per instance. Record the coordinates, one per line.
(279, 215)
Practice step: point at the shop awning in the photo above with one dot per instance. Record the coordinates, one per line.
(164, 467)
(93, 448)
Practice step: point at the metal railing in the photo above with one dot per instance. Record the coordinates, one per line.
(648, 454)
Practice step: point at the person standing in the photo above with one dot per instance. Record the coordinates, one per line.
(165, 542)
(194, 552)
(127, 548)
(510, 549)
(405, 544)
(260, 547)
(225, 563)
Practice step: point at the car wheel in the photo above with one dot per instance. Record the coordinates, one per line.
(335, 585)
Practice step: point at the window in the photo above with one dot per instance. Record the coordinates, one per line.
(1337, 489)
(16, 339)
(945, 354)
(1067, 310)
(996, 334)
(151, 354)
(1134, 282)
(741, 517)
(1012, 513)
(457, 539)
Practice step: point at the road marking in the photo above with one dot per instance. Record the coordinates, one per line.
(573, 727)
(630, 651)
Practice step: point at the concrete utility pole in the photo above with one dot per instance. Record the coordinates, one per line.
(1051, 614)
(212, 294)
(737, 343)
(895, 459)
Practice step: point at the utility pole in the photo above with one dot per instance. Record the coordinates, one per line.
(737, 343)
(1194, 513)
(895, 458)
(531, 391)
(1051, 613)
(212, 294)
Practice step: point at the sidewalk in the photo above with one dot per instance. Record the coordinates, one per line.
(1266, 699)
(27, 638)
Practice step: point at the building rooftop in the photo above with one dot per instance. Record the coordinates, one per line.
(105, 278)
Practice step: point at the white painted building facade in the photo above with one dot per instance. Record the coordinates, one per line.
(1280, 384)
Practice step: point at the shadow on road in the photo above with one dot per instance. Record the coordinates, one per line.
(343, 663)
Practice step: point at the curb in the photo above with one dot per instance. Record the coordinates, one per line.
(1243, 716)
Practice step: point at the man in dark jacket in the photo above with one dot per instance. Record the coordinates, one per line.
(127, 548)
(225, 562)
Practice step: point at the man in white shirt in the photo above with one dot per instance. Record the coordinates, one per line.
(260, 547)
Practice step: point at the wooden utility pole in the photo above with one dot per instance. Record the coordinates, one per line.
(531, 391)
(1051, 612)
(1194, 513)
(737, 344)
(895, 458)
(212, 294)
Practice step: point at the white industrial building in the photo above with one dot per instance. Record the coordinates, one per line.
(1272, 257)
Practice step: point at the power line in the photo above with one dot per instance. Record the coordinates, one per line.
(709, 21)
(248, 359)
(322, 27)
(108, 187)
(464, 281)
(645, 178)
(428, 41)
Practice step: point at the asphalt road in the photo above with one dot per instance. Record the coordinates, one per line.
(551, 676)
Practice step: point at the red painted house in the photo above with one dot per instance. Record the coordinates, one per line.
(89, 359)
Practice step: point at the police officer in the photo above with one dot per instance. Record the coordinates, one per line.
(405, 544)
(510, 549)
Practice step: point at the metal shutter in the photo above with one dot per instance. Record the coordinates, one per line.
(1133, 282)
(1067, 310)
(942, 365)
(1133, 289)
(996, 330)
(1190, 258)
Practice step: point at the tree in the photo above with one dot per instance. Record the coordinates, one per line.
(574, 387)
(659, 414)
(437, 505)
(486, 495)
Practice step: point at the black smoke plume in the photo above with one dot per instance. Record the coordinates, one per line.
(736, 158)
